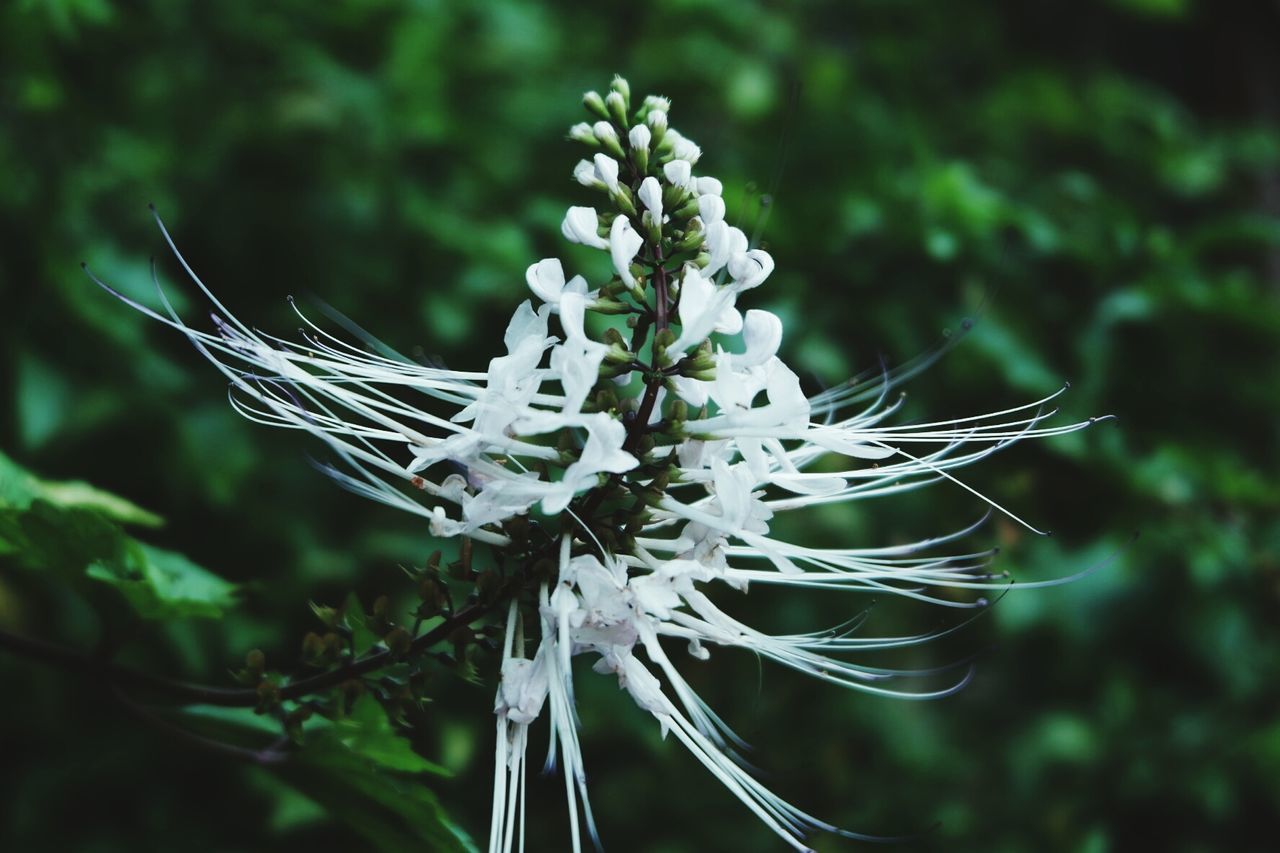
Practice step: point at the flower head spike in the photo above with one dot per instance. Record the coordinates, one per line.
(655, 499)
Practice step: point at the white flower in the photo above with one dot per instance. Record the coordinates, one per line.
(546, 280)
(710, 209)
(649, 512)
(723, 243)
(750, 268)
(704, 308)
(684, 148)
(607, 171)
(708, 186)
(580, 225)
(624, 243)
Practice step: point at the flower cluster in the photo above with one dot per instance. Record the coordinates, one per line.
(630, 449)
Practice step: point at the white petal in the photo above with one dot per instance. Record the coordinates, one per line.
(546, 280)
(710, 209)
(640, 137)
(750, 269)
(651, 196)
(607, 171)
(580, 226)
(624, 243)
(679, 173)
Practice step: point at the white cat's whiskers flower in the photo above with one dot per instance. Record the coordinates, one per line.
(651, 501)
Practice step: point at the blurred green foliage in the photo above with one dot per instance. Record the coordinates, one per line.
(1097, 183)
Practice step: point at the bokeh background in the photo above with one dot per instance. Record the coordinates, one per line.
(1097, 183)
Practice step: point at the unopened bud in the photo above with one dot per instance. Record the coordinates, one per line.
(608, 137)
(622, 88)
(581, 132)
(593, 102)
(617, 107)
(639, 137)
(657, 122)
(693, 238)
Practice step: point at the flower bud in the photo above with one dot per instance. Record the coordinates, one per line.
(657, 102)
(608, 137)
(639, 138)
(617, 107)
(680, 147)
(593, 102)
(651, 197)
(622, 88)
(657, 122)
(581, 132)
(693, 237)
(679, 173)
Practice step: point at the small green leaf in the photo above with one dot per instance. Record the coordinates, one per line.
(165, 585)
(393, 814)
(367, 731)
(19, 488)
(350, 777)
(72, 529)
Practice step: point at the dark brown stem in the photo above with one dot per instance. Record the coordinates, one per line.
(123, 676)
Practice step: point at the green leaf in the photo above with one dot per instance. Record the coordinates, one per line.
(19, 488)
(354, 778)
(367, 731)
(162, 584)
(70, 530)
(393, 814)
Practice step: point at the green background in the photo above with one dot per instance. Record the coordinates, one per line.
(1098, 184)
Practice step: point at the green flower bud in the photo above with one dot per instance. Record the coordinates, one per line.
(624, 200)
(686, 211)
(617, 107)
(692, 239)
(593, 102)
(622, 88)
(606, 136)
(582, 132)
(657, 121)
